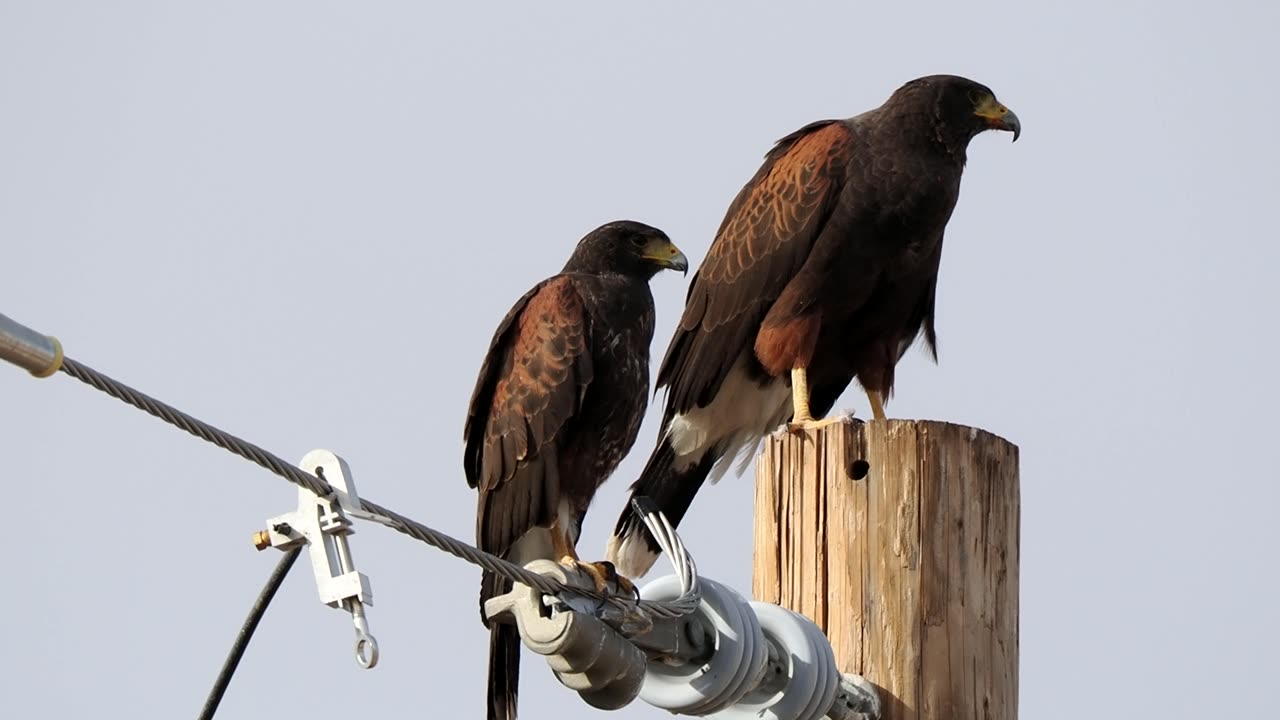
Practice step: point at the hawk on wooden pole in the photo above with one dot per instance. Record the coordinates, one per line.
(824, 270)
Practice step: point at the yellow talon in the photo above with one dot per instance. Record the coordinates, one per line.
(877, 405)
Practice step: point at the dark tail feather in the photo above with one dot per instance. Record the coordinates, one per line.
(632, 548)
(504, 671)
(504, 655)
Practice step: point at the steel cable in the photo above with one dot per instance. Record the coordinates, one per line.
(373, 511)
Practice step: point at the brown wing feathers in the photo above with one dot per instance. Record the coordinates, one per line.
(531, 386)
(766, 236)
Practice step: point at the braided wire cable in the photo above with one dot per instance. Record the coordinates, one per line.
(385, 516)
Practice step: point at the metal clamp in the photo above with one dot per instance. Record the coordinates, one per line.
(585, 654)
(323, 524)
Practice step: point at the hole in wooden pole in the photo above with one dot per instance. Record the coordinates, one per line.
(858, 469)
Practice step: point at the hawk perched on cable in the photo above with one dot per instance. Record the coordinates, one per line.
(556, 407)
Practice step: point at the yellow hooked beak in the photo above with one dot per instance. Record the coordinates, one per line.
(665, 254)
(998, 116)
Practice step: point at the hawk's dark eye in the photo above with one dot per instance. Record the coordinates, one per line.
(637, 240)
(975, 97)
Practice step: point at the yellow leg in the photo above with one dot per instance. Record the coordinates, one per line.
(802, 418)
(800, 397)
(561, 546)
(877, 405)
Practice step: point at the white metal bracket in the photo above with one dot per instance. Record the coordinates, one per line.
(323, 524)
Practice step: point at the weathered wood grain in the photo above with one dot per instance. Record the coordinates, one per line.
(911, 568)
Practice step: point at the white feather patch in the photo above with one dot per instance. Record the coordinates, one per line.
(536, 544)
(631, 554)
(738, 418)
(533, 545)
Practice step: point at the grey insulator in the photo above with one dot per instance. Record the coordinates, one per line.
(586, 655)
(737, 662)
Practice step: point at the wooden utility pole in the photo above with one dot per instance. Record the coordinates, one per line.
(899, 539)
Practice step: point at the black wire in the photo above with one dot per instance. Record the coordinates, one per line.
(246, 632)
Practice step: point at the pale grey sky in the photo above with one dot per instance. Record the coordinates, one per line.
(302, 220)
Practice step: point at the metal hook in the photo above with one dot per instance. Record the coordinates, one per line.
(366, 644)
